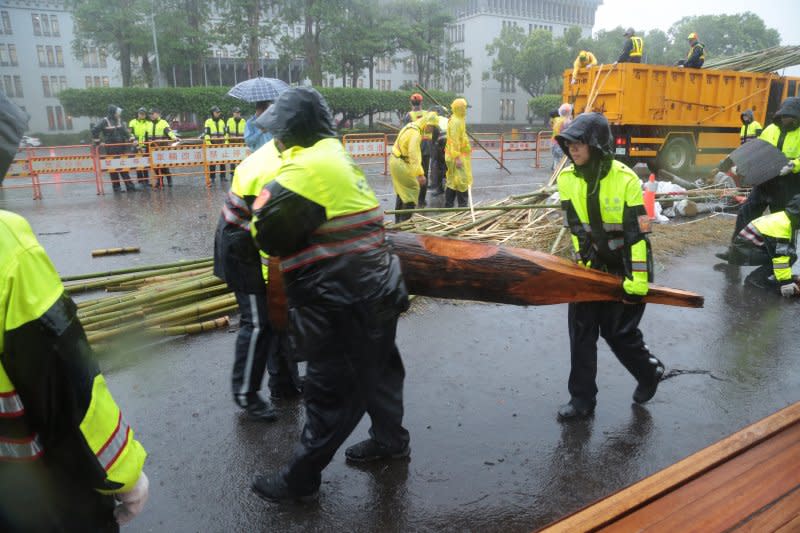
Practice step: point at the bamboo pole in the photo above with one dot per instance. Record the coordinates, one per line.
(101, 283)
(115, 251)
(192, 329)
(132, 270)
(468, 210)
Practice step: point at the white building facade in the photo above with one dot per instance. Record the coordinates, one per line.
(37, 62)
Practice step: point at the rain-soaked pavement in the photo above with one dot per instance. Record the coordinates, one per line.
(482, 388)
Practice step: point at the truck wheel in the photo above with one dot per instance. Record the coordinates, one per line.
(676, 156)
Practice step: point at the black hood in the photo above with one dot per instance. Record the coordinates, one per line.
(747, 116)
(789, 108)
(592, 129)
(13, 123)
(299, 117)
(111, 112)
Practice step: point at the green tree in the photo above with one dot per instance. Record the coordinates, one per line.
(117, 25)
(245, 23)
(423, 35)
(535, 61)
(723, 35)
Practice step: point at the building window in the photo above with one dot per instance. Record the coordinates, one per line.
(6, 23)
(104, 55)
(37, 26)
(18, 86)
(88, 80)
(410, 65)
(12, 55)
(97, 81)
(93, 57)
(46, 86)
(45, 25)
(8, 86)
(51, 56)
(54, 85)
(105, 81)
(41, 56)
(59, 56)
(4, 59)
(508, 84)
(68, 120)
(506, 109)
(51, 118)
(62, 83)
(60, 117)
(54, 26)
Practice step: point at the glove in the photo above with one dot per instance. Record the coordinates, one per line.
(421, 180)
(132, 502)
(573, 82)
(786, 169)
(789, 290)
(634, 291)
(615, 62)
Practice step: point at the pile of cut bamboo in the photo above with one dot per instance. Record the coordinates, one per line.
(153, 301)
(766, 60)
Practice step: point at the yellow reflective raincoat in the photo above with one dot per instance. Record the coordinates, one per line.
(406, 161)
(458, 148)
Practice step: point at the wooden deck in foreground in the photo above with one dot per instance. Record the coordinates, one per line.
(748, 482)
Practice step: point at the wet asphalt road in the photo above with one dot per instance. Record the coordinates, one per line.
(482, 388)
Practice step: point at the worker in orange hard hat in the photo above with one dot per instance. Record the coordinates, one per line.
(697, 53)
(426, 140)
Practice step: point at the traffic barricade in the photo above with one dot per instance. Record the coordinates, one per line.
(19, 175)
(519, 147)
(369, 149)
(121, 159)
(64, 165)
(222, 155)
(493, 143)
(544, 142)
(177, 160)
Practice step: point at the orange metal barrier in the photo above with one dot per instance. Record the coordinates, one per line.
(81, 164)
(368, 148)
(543, 142)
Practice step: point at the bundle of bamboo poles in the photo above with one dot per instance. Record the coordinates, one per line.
(766, 60)
(152, 301)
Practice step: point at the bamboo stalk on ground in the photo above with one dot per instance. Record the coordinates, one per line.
(192, 329)
(133, 270)
(115, 251)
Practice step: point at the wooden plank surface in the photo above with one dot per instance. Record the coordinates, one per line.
(627, 500)
(774, 517)
(727, 495)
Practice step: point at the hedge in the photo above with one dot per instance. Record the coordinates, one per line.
(541, 106)
(352, 103)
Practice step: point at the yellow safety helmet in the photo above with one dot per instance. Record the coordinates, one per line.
(692, 36)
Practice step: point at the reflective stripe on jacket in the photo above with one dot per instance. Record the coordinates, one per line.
(215, 131)
(787, 142)
(774, 232)
(637, 46)
(50, 386)
(618, 241)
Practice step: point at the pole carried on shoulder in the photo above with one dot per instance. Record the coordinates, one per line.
(435, 101)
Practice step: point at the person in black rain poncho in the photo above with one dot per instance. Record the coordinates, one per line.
(345, 292)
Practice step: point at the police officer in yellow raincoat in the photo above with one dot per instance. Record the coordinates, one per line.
(405, 164)
(68, 458)
(458, 156)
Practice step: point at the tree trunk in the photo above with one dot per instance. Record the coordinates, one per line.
(125, 63)
(147, 70)
(253, 40)
(481, 272)
(311, 44)
(371, 76)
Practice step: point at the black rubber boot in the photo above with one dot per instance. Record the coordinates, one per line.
(257, 409)
(647, 389)
(273, 488)
(369, 450)
(576, 409)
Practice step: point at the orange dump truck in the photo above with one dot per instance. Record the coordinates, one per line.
(671, 117)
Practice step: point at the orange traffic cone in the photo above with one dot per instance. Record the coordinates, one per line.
(650, 189)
